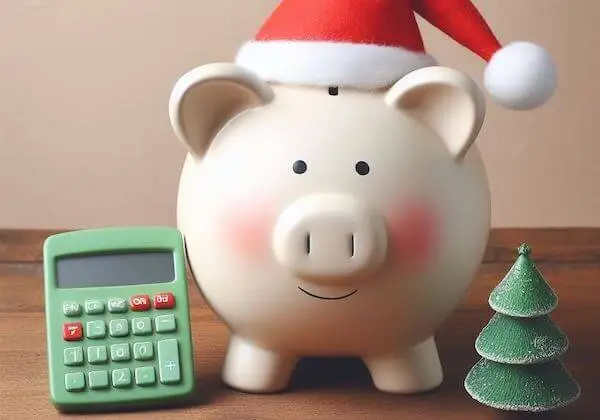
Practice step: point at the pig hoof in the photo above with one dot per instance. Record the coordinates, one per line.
(417, 370)
(249, 368)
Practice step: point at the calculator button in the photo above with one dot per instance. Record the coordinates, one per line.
(168, 361)
(95, 329)
(73, 356)
(71, 309)
(141, 326)
(121, 378)
(93, 307)
(145, 376)
(98, 379)
(140, 303)
(117, 305)
(118, 328)
(96, 355)
(164, 301)
(143, 351)
(120, 352)
(74, 381)
(165, 323)
(72, 331)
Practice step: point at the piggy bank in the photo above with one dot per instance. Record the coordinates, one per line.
(330, 222)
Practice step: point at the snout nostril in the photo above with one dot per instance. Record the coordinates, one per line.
(351, 245)
(307, 242)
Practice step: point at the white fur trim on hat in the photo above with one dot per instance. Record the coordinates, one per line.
(329, 63)
(521, 76)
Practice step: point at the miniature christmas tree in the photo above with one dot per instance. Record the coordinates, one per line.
(520, 347)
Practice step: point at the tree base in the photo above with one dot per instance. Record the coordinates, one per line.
(538, 387)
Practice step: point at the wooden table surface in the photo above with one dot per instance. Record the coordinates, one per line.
(569, 259)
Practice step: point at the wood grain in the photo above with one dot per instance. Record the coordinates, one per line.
(321, 389)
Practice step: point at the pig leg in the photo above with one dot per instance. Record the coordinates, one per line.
(253, 369)
(416, 370)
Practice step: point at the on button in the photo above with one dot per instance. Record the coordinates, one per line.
(140, 303)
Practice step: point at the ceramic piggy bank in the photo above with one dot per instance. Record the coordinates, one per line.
(321, 225)
(344, 217)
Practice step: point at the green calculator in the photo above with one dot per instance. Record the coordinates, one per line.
(117, 318)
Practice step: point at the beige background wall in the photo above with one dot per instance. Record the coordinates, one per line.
(85, 140)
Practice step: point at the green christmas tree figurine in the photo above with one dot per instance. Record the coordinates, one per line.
(520, 347)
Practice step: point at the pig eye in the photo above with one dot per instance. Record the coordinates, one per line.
(299, 167)
(362, 168)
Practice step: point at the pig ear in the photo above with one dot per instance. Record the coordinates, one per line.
(446, 100)
(205, 99)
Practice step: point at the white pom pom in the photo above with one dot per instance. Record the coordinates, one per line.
(521, 76)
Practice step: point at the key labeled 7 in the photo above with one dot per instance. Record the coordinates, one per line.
(72, 331)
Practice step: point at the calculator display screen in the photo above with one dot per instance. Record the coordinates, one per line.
(115, 269)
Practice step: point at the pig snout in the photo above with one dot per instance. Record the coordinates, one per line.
(329, 238)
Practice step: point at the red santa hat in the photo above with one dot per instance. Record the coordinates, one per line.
(371, 44)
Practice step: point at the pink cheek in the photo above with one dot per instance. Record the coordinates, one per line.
(248, 231)
(413, 235)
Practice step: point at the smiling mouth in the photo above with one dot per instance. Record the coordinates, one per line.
(328, 298)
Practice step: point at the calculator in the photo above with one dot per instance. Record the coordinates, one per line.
(117, 318)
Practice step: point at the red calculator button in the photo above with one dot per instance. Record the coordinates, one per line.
(164, 301)
(72, 331)
(139, 303)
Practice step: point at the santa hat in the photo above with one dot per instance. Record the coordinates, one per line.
(371, 44)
